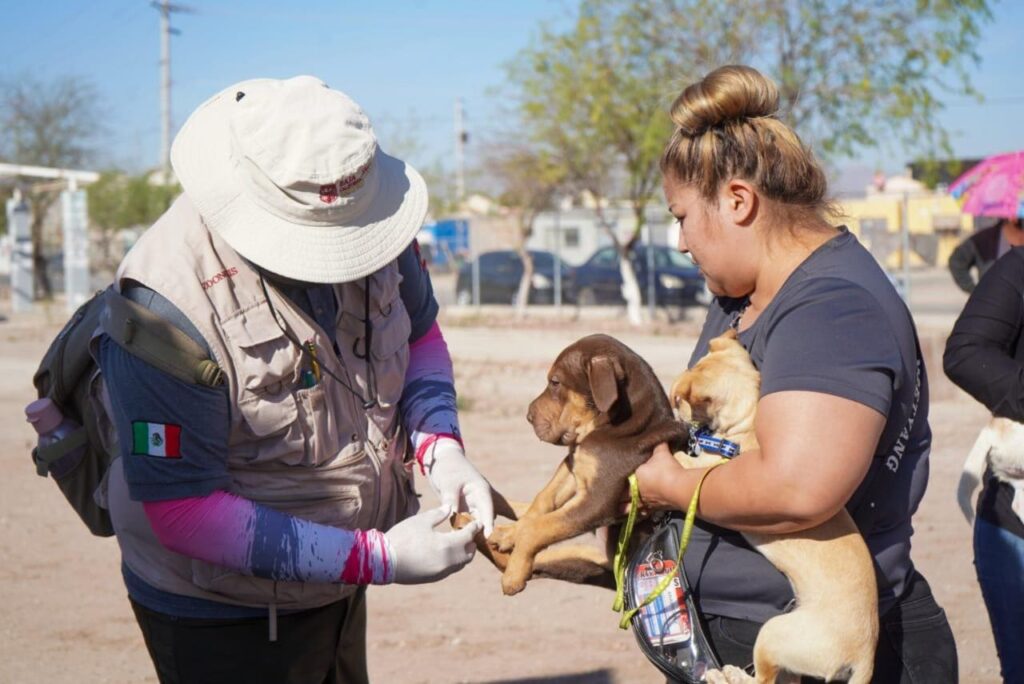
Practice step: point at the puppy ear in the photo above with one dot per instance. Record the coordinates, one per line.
(604, 375)
(723, 341)
(681, 389)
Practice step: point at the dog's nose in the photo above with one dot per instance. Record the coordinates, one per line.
(529, 417)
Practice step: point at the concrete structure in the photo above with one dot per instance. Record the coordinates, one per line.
(575, 232)
(74, 220)
(934, 222)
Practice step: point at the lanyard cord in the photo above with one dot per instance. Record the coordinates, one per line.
(620, 561)
(367, 404)
(371, 374)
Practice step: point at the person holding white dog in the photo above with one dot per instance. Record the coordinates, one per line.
(253, 512)
(985, 357)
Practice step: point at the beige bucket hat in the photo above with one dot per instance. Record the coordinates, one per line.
(288, 172)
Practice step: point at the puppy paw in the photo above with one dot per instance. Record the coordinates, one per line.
(503, 538)
(715, 677)
(510, 586)
(736, 675)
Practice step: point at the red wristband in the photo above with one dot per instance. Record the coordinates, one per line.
(421, 452)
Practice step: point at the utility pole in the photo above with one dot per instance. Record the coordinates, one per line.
(460, 162)
(460, 195)
(165, 7)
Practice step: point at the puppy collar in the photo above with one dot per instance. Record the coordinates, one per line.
(701, 440)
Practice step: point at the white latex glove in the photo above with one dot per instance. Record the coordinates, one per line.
(420, 554)
(458, 484)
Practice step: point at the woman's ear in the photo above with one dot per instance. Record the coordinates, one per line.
(739, 200)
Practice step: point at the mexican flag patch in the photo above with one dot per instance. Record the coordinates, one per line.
(156, 439)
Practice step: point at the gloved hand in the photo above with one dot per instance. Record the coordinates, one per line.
(421, 554)
(458, 484)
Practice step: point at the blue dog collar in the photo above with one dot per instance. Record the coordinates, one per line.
(701, 440)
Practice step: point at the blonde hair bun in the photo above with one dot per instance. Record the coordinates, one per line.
(729, 93)
(726, 128)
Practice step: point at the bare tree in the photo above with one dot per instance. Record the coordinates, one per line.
(528, 180)
(55, 124)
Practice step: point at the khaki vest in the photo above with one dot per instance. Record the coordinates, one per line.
(314, 453)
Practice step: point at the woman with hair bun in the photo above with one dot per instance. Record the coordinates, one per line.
(843, 414)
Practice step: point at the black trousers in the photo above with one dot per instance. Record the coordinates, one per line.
(320, 646)
(915, 643)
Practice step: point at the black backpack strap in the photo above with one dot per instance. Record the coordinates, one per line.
(157, 342)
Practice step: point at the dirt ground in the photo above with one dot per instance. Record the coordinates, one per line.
(64, 616)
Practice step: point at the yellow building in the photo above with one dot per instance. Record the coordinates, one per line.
(936, 224)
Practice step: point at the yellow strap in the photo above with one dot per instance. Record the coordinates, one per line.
(623, 545)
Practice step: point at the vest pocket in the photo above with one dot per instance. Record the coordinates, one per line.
(326, 438)
(390, 351)
(270, 415)
(267, 365)
(263, 354)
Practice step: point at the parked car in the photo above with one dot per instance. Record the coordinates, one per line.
(677, 280)
(500, 273)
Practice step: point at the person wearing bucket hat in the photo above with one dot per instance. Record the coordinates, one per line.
(258, 508)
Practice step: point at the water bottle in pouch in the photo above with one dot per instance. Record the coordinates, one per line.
(51, 426)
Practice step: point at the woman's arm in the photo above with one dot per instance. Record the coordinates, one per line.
(960, 263)
(814, 451)
(979, 354)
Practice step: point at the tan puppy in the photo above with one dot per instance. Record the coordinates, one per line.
(1000, 445)
(833, 631)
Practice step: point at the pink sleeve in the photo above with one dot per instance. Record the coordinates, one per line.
(257, 540)
(428, 404)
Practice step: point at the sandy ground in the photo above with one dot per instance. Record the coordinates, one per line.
(64, 616)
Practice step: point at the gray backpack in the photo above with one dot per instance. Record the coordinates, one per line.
(69, 376)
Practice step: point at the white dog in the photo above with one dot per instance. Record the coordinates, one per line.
(1001, 446)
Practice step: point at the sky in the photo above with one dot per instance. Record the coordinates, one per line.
(405, 62)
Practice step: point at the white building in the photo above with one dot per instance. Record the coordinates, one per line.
(575, 233)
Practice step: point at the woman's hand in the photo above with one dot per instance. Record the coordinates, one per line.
(661, 480)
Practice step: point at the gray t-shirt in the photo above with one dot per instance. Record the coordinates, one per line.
(836, 326)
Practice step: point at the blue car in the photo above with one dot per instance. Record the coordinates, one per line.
(677, 281)
(500, 272)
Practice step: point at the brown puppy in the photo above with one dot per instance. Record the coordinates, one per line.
(833, 631)
(603, 402)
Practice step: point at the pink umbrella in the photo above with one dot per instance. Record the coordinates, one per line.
(994, 187)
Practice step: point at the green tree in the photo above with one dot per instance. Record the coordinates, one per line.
(852, 75)
(54, 124)
(118, 201)
(856, 75)
(402, 139)
(594, 99)
(5, 194)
